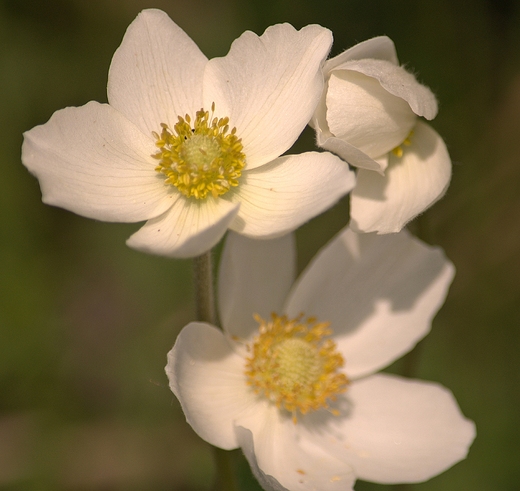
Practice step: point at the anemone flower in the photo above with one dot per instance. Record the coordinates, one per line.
(369, 116)
(292, 377)
(193, 146)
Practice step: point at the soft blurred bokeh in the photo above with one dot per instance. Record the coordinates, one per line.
(85, 322)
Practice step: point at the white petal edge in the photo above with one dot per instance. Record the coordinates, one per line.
(348, 152)
(207, 376)
(156, 74)
(379, 292)
(91, 160)
(399, 82)
(255, 276)
(281, 460)
(411, 184)
(378, 48)
(269, 86)
(399, 430)
(187, 229)
(279, 197)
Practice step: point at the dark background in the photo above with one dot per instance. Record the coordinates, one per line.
(86, 322)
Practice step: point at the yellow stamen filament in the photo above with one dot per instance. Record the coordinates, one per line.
(295, 365)
(200, 160)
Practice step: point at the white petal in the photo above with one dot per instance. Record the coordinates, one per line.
(279, 197)
(156, 74)
(207, 377)
(188, 229)
(399, 82)
(411, 184)
(268, 86)
(379, 292)
(364, 114)
(282, 460)
(93, 161)
(254, 278)
(378, 48)
(400, 430)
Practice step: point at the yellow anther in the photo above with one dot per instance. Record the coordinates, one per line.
(398, 151)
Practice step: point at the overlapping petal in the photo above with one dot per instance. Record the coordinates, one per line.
(156, 74)
(275, 199)
(187, 229)
(379, 294)
(411, 184)
(255, 276)
(398, 430)
(269, 86)
(93, 161)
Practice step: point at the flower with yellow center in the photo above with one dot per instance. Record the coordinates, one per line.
(368, 115)
(292, 378)
(193, 145)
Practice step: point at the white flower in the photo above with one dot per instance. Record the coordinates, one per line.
(368, 115)
(337, 420)
(191, 145)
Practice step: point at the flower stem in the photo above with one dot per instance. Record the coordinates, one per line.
(225, 479)
(204, 288)
(206, 312)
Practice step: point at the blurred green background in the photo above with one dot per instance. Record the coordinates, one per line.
(85, 322)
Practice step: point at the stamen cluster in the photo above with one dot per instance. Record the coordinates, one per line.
(200, 160)
(293, 365)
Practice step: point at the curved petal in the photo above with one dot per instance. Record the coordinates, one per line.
(399, 430)
(156, 74)
(400, 83)
(411, 184)
(364, 114)
(279, 197)
(254, 278)
(268, 86)
(207, 377)
(377, 48)
(93, 161)
(188, 229)
(379, 292)
(282, 460)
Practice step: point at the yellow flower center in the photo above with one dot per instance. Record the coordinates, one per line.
(398, 151)
(202, 159)
(295, 365)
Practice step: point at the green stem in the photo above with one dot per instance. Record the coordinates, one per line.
(225, 479)
(206, 312)
(204, 288)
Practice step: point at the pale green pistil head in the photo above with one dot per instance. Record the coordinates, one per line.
(200, 160)
(298, 363)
